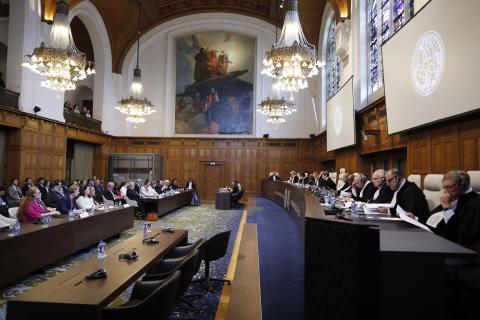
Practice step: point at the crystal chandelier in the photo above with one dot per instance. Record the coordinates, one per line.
(292, 59)
(276, 109)
(59, 60)
(135, 107)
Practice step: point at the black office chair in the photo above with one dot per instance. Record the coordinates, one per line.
(235, 198)
(215, 248)
(148, 297)
(164, 268)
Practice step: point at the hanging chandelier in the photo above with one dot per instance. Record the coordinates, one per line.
(59, 60)
(135, 107)
(276, 109)
(292, 59)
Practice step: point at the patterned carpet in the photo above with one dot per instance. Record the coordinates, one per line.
(202, 221)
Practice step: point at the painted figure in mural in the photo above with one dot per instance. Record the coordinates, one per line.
(201, 70)
(233, 104)
(212, 63)
(223, 62)
(211, 100)
(197, 103)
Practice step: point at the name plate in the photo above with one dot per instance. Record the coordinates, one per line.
(83, 215)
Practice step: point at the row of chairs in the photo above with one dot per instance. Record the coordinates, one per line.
(432, 186)
(169, 279)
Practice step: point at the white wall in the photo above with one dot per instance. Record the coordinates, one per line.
(157, 62)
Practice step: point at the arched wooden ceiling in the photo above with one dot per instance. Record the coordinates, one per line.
(120, 16)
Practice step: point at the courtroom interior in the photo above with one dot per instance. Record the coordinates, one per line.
(239, 159)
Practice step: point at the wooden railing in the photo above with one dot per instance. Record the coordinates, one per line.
(81, 120)
(9, 98)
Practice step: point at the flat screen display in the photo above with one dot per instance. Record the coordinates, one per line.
(341, 118)
(431, 65)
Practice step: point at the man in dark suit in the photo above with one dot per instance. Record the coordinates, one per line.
(27, 185)
(383, 194)
(408, 196)
(65, 203)
(293, 177)
(362, 188)
(14, 194)
(460, 207)
(3, 203)
(133, 195)
(326, 181)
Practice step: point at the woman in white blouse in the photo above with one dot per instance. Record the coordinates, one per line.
(85, 200)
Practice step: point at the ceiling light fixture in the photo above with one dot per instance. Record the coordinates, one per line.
(292, 59)
(135, 107)
(59, 60)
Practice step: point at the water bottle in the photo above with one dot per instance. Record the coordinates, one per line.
(101, 250)
(332, 201)
(145, 228)
(71, 215)
(353, 209)
(17, 228)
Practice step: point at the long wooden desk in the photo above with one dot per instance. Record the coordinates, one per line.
(70, 296)
(36, 246)
(409, 277)
(167, 204)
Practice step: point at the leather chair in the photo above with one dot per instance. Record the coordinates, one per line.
(12, 212)
(416, 178)
(432, 188)
(475, 180)
(148, 298)
(215, 248)
(235, 197)
(186, 265)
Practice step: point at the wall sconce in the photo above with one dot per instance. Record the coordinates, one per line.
(375, 133)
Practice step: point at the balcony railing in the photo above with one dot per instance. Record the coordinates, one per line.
(9, 98)
(81, 120)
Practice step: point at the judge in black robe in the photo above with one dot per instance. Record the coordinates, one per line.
(408, 196)
(385, 195)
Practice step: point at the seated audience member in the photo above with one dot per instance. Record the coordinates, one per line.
(174, 185)
(3, 203)
(98, 197)
(66, 105)
(137, 185)
(116, 189)
(27, 185)
(383, 194)
(236, 187)
(460, 206)
(32, 207)
(315, 179)
(274, 176)
(63, 188)
(191, 186)
(362, 188)
(98, 186)
(133, 195)
(344, 184)
(123, 189)
(42, 188)
(14, 194)
(407, 195)
(301, 178)
(86, 200)
(112, 195)
(326, 181)
(293, 177)
(146, 191)
(65, 203)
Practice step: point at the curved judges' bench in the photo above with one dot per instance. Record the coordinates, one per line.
(379, 269)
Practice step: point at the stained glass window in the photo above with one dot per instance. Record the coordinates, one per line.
(385, 17)
(333, 62)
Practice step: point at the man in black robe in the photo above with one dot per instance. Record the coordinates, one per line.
(460, 206)
(362, 188)
(383, 194)
(408, 196)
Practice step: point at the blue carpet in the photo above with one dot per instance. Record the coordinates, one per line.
(281, 254)
(202, 221)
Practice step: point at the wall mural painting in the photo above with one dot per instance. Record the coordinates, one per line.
(214, 83)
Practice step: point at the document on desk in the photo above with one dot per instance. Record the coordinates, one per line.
(403, 215)
(372, 208)
(435, 219)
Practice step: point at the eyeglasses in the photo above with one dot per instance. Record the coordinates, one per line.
(390, 180)
(449, 188)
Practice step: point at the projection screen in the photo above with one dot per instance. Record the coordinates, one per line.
(341, 118)
(431, 65)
